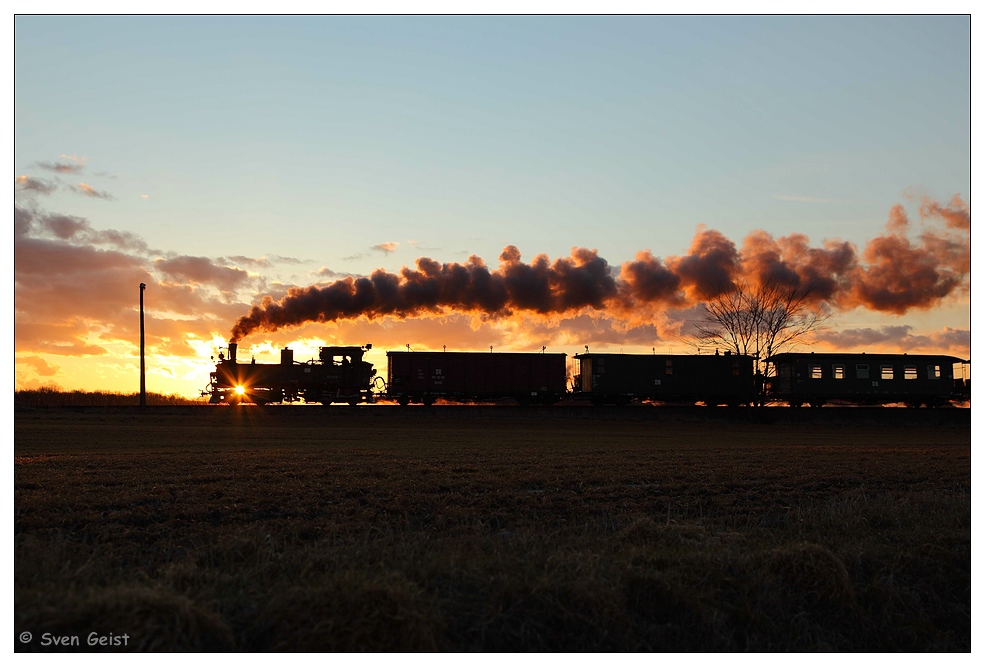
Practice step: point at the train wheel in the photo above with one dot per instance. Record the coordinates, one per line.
(403, 400)
(353, 402)
(796, 404)
(817, 404)
(429, 400)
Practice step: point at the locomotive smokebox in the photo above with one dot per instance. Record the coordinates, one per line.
(232, 352)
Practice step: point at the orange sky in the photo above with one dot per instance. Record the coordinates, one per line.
(76, 291)
(477, 181)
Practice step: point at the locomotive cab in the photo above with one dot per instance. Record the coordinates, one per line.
(346, 370)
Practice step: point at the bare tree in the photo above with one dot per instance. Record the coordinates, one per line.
(760, 320)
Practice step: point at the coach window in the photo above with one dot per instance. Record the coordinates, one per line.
(909, 372)
(815, 371)
(862, 371)
(838, 371)
(670, 367)
(735, 367)
(885, 372)
(933, 372)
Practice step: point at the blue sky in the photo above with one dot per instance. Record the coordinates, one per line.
(317, 138)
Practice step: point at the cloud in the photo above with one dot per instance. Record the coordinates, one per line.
(242, 260)
(386, 248)
(89, 191)
(281, 259)
(40, 366)
(260, 262)
(78, 230)
(145, 196)
(204, 271)
(956, 213)
(420, 248)
(326, 272)
(73, 165)
(898, 338)
(899, 274)
(76, 289)
(62, 338)
(30, 184)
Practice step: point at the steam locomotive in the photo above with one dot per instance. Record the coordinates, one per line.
(340, 375)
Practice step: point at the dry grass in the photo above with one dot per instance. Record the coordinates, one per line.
(314, 531)
(50, 397)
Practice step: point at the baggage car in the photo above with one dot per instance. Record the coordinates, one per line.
(713, 379)
(423, 377)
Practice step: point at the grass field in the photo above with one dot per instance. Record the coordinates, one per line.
(243, 529)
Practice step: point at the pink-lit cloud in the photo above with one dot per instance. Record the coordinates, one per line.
(30, 184)
(898, 338)
(202, 271)
(386, 248)
(72, 165)
(89, 191)
(76, 289)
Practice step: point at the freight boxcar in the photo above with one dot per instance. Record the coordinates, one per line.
(713, 379)
(339, 375)
(423, 377)
(864, 379)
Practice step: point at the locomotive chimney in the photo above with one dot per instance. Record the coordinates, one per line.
(232, 352)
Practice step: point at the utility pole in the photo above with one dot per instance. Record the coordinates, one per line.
(143, 385)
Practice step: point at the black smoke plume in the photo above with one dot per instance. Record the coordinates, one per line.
(892, 274)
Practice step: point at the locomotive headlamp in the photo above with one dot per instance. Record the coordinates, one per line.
(240, 390)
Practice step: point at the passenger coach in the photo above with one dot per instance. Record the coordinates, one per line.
(865, 379)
